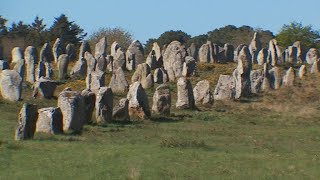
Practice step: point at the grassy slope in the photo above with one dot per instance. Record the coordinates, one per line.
(275, 136)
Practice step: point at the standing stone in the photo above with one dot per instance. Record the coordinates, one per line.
(72, 108)
(138, 102)
(275, 78)
(46, 53)
(89, 103)
(50, 120)
(192, 51)
(204, 53)
(71, 51)
(302, 71)
(312, 55)
(119, 59)
(101, 64)
(57, 49)
(44, 88)
(4, 65)
(114, 47)
(266, 86)
(110, 63)
(100, 48)
(134, 55)
(189, 67)
(202, 93)
(242, 73)
(85, 47)
(27, 122)
(41, 70)
(91, 62)
(95, 80)
(11, 85)
(255, 47)
(80, 68)
(143, 75)
(31, 59)
(152, 60)
(315, 68)
(297, 44)
(185, 98)
(160, 76)
(63, 62)
(225, 89)
(275, 53)
(288, 78)
(256, 80)
(16, 55)
(162, 100)
(292, 55)
(237, 52)
(104, 105)
(120, 111)
(118, 82)
(20, 68)
(229, 52)
(262, 56)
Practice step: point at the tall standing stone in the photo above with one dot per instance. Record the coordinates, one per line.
(63, 62)
(262, 56)
(91, 62)
(50, 120)
(27, 122)
(118, 82)
(225, 88)
(31, 59)
(204, 53)
(114, 47)
(162, 100)
(255, 47)
(58, 49)
(134, 55)
(275, 78)
(46, 57)
(160, 76)
(288, 78)
(189, 67)
(11, 85)
(71, 51)
(80, 68)
(275, 53)
(101, 64)
(256, 80)
(100, 48)
(312, 55)
(185, 98)
(104, 105)
(202, 93)
(16, 55)
(85, 47)
(119, 59)
(237, 52)
(297, 44)
(89, 102)
(229, 52)
(192, 51)
(95, 80)
(72, 108)
(138, 102)
(292, 55)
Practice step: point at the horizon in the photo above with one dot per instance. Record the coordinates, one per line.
(145, 27)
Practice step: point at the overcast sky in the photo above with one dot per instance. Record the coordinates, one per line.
(149, 18)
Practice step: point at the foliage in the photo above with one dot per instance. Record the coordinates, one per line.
(122, 36)
(295, 31)
(3, 28)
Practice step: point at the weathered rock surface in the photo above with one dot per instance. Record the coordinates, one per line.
(85, 47)
(225, 89)
(229, 52)
(262, 56)
(160, 76)
(57, 49)
(120, 111)
(101, 64)
(202, 93)
(104, 105)
(302, 71)
(91, 62)
(162, 100)
(275, 78)
(315, 68)
(89, 103)
(192, 51)
(16, 55)
(50, 120)
(256, 80)
(189, 67)
(143, 75)
(44, 88)
(27, 122)
(63, 62)
(134, 55)
(118, 82)
(312, 55)
(185, 98)
(255, 47)
(71, 51)
(204, 53)
(100, 48)
(11, 85)
(114, 47)
(31, 59)
(288, 78)
(297, 44)
(46, 54)
(72, 108)
(138, 102)
(119, 59)
(4, 65)
(95, 80)
(292, 55)
(80, 68)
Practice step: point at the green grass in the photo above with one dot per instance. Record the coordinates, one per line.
(270, 136)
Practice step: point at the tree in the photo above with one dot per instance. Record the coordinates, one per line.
(198, 40)
(38, 33)
(3, 28)
(122, 36)
(295, 31)
(19, 30)
(67, 30)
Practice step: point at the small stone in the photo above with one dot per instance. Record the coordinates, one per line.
(50, 120)
(225, 89)
(138, 102)
(288, 78)
(162, 100)
(202, 93)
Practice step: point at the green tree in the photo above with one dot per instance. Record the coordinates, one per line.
(122, 36)
(3, 27)
(295, 31)
(38, 33)
(67, 30)
(19, 30)
(198, 40)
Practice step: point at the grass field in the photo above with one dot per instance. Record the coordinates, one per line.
(271, 136)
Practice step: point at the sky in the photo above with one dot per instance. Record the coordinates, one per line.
(150, 18)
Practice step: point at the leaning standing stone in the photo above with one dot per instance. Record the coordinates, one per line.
(202, 93)
(185, 98)
(104, 105)
(27, 122)
(162, 100)
(138, 102)
(50, 120)
(11, 85)
(57, 49)
(72, 107)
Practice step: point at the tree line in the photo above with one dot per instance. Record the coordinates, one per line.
(37, 33)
